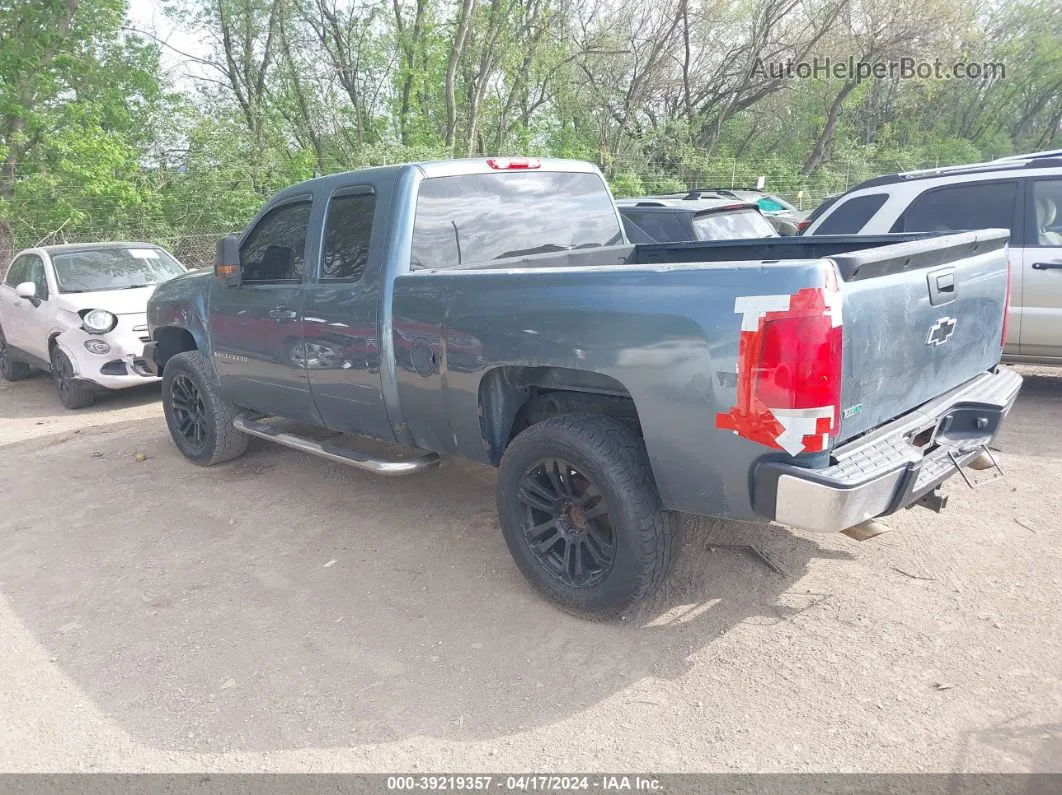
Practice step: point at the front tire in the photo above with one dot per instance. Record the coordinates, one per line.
(198, 416)
(581, 514)
(10, 370)
(74, 394)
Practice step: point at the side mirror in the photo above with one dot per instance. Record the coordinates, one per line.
(27, 290)
(227, 267)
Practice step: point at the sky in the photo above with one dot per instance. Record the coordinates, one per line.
(148, 16)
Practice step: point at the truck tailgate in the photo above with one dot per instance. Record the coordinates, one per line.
(918, 322)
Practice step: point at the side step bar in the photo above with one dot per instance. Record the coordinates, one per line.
(342, 455)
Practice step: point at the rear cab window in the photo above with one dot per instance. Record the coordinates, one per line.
(475, 218)
(731, 225)
(851, 215)
(654, 226)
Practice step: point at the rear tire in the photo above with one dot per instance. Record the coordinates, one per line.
(74, 394)
(11, 370)
(581, 514)
(198, 416)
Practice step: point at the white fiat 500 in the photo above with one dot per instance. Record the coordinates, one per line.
(79, 311)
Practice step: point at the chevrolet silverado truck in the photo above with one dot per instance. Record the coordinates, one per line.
(493, 310)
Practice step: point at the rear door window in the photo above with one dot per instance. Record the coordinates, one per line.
(347, 234)
(852, 215)
(973, 205)
(481, 217)
(1046, 215)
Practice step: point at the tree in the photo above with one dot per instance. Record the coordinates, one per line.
(75, 95)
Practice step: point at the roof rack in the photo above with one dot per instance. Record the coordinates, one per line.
(1030, 156)
(1044, 161)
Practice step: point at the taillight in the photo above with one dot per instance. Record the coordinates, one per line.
(504, 163)
(789, 369)
(1006, 305)
(802, 225)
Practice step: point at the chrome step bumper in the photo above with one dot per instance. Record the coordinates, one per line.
(893, 466)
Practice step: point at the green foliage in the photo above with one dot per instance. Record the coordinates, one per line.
(95, 142)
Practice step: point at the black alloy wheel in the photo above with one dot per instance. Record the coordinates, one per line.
(566, 523)
(189, 411)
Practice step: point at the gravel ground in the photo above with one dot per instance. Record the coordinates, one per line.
(282, 613)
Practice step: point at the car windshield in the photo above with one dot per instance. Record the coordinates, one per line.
(118, 268)
(736, 225)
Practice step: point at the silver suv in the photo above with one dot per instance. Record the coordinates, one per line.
(1022, 193)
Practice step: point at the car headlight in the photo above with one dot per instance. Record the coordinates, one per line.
(98, 321)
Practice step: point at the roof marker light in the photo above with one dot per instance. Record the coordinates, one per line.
(508, 163)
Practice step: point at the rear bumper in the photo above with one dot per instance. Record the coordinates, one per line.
(894, 465)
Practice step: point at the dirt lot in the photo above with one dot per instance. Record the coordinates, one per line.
(283, 613)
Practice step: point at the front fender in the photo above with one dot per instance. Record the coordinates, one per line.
(183, 303)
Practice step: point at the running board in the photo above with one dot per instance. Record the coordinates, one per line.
(334, 452)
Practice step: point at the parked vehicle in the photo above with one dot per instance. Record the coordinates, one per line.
(493, 310)
(661, 220)
(78, 311)
(784, 217)
(1022, 194)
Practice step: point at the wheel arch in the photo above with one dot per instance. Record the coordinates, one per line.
(512, 398)
(171, 340)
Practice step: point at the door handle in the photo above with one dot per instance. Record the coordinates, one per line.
(281, 313)
(1044, 266)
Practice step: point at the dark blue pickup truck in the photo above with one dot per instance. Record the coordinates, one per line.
(494, 310)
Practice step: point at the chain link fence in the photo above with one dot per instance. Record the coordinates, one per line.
(181, 229)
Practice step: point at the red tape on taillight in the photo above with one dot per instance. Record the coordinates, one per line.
(789, 368)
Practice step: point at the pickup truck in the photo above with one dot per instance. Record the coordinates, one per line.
(493, 310)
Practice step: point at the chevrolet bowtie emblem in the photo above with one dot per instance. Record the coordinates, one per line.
(941, 331)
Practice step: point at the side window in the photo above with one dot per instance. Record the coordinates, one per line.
(973, 205)
(275, 250)
(35, 274)
(347, 234)
(852, 215)
(16, 274)
(1047, 215)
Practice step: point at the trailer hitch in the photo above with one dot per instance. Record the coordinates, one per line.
(984, 460)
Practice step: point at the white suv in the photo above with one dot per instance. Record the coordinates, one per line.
(80, 311)
(1021, 193)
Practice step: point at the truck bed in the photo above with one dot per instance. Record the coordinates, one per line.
(663, 324)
